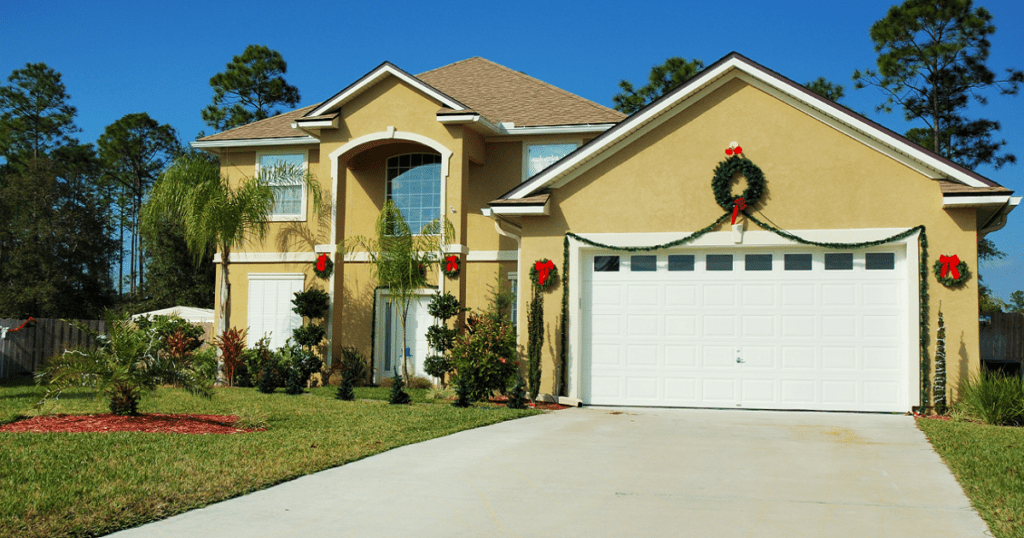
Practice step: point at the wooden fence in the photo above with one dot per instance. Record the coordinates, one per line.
(1002, 337)
(26, 350)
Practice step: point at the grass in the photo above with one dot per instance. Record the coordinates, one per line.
(988, 461)
(84, 484)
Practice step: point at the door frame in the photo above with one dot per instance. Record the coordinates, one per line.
(379, 338)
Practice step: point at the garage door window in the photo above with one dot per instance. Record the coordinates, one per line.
(643, 263)
(879, 261)
(839, 262)
(719, 262)
(758, 262)
(680, 262)
(606, 264)
(798, 262)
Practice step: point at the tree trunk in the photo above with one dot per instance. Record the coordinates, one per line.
(225, 293)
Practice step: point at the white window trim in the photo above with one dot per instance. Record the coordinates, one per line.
(513, 278)
(528, 145)
(301, 217)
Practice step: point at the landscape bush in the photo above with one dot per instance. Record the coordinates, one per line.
(485, 355)
(993, 398)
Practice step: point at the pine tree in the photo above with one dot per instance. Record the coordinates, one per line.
(398, 396)
(345, 391)
(268, 381)
(295, 383)
(463, 393)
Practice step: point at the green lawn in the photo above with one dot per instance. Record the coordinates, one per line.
(988, 461)
(84, 484)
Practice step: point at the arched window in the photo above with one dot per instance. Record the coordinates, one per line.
(414, 185)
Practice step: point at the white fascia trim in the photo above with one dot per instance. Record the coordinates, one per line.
(316, 124)
(268, 257)
(476, 120)
(373, 77)
(560, 129)
(756, 239)
(974, 201)
(522, 209)
(493, 256)
(629, 125)
(254, 142)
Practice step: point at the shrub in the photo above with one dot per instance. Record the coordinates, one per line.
(124, 362)
(231, 343)
(297, 365)
(311, 303)
(353, 366)
(485, 355)
(168, 325)
(437, 365)
(517, 398)
(345, 391)
(462, 396)
(993, 398)
(441, 337)
(398, 396)
(204, 362)
(420, 382)
(309, 335)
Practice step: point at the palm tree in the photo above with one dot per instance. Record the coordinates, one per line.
(213, 214)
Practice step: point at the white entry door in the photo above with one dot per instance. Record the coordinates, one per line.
(391, 348)
(753, 328)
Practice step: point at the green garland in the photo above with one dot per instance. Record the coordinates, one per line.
(721, 184)
(922, 290)
(940, 366)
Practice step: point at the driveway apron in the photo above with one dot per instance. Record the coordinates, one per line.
(595, 472)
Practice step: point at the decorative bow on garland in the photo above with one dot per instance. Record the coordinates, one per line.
(323, 266)
(738, 205)
(543, 273)
(451, 266)
(950, 271)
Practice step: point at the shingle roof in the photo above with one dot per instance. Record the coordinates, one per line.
(503, 95)
(959, 189)
(279, 126)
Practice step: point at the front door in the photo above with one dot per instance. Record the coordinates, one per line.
(392, 349)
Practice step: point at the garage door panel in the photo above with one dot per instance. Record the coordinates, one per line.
(719, 295)
(758, 296)
(719, 357)
(719, 326)
(806, 338)
(758, 326)
(680, 356)
(640, 355)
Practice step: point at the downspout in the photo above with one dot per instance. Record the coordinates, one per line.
(518, 238)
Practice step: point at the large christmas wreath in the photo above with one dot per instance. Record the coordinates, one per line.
(450, 266)
(323, 267)
(543, 273)
(721, 183)
(950, 271)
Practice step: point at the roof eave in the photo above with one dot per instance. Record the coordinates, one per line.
(252, 142)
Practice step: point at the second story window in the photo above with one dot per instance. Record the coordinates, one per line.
(414, 185)
(285, 171)
(541, 156)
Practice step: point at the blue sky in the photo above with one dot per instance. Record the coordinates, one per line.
(157, 57)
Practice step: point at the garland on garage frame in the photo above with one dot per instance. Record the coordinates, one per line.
(922, 280)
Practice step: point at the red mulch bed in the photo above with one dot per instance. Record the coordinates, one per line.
(151, 423)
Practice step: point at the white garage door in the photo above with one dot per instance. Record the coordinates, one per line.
(767, 329)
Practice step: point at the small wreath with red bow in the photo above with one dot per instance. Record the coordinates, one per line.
(543, 274)
(950, 271)
(450, 266)
(721, 183)
(323, 266)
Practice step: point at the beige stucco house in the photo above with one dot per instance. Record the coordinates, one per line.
(823, 307)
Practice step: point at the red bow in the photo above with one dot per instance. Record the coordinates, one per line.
(543, 270)
(451, 263)
(321, 263)
(949, 264)
(738, 205)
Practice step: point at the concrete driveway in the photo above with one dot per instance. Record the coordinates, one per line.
(597, 472)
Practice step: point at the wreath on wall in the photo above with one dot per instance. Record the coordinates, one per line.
(323, 266)
(543, 274)
(450, 266)
(721, 183)
(950, 271)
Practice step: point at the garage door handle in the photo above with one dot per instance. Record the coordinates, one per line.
(738, 360)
